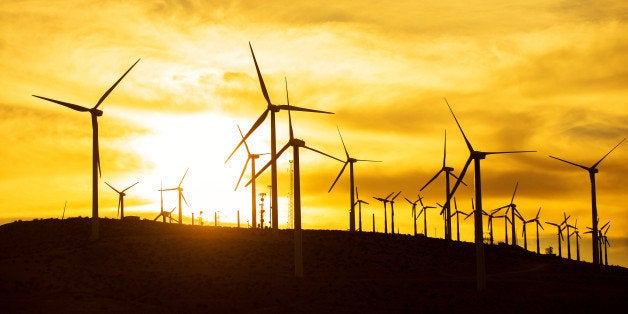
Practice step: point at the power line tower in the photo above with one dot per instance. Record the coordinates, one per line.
(291, 198)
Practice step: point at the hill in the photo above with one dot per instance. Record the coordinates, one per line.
(50, 266)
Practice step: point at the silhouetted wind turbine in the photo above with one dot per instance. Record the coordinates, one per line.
(295, 144)
(538, 224)
(272, 109)
(350, 160)
(181, 196)
(476, 156)
(592, 171)
(359, 202)
(567, 226)
(578, 237)
(385, 200)
(252, 157)
(457, 214)
(514, 214)
(392, 213)
(524, 233)
(121, 196)
(414, 215)
(448, 172)
(64, 205)
(604, 241)
(560, 236)
(95, 113)
(424, 212)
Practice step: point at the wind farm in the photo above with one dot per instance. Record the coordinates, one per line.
(188, 119)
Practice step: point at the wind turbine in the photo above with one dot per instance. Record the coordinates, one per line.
(514, 214)
(604, 241)
(476, 157)
(457, 214)
(359, 202)
(350, 160)
(252, 157)
(272, 109)
(524, 233)
(414, 215)
(424, 212)
(567, 226)
(95, 113)
(592, 171)
(179, 189)
(121, 196)
(448, 172)
(560, 236)
(295, 144)
(385, 200)
(578, 237)
(538, 224)
(392, 213)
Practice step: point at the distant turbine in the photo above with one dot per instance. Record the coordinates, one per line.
(295, 144)
(424, 212)
(252, 158)
(385, 200)
(592, 171)
(560, 236)
(414, 215)
(392, 213)
(121, 196)
(447, 207)
(350, 160)
(359, 202)
(514, 214)
(64, 205)
(567, 226)
(578, 237)
(179, 189)
(476, 156)
(538, 224)
(95, 113)
(272, 109)
(457, 214)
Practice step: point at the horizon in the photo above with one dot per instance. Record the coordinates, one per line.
(544, 76)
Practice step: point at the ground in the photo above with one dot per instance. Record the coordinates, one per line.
(49, 265)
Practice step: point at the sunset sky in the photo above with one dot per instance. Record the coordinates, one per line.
(550, 76)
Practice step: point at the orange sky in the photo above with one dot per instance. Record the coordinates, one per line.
(548, 76)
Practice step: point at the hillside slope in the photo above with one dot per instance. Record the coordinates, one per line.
(49, 265)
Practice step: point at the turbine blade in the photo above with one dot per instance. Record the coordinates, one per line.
(462, 173)
(389, 195)
(287, 95)
(513, 193)
(245, 144)
(571, 163)
(432, 179)
(445, 149)
(119, 204)
(453, 175)
(186, 172)
(599, 161)
(131, 186)
(338, 177)
(257, 123)
(294, 108)
(107, 183)
(259, 172)
(114, 85)
(186, 201)
(395, 196)
(510, 152)
(63, 103)
(242, 173)
(318, 151)
(260, 78)
(343, 142)
(460, 127)
(291, 133)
